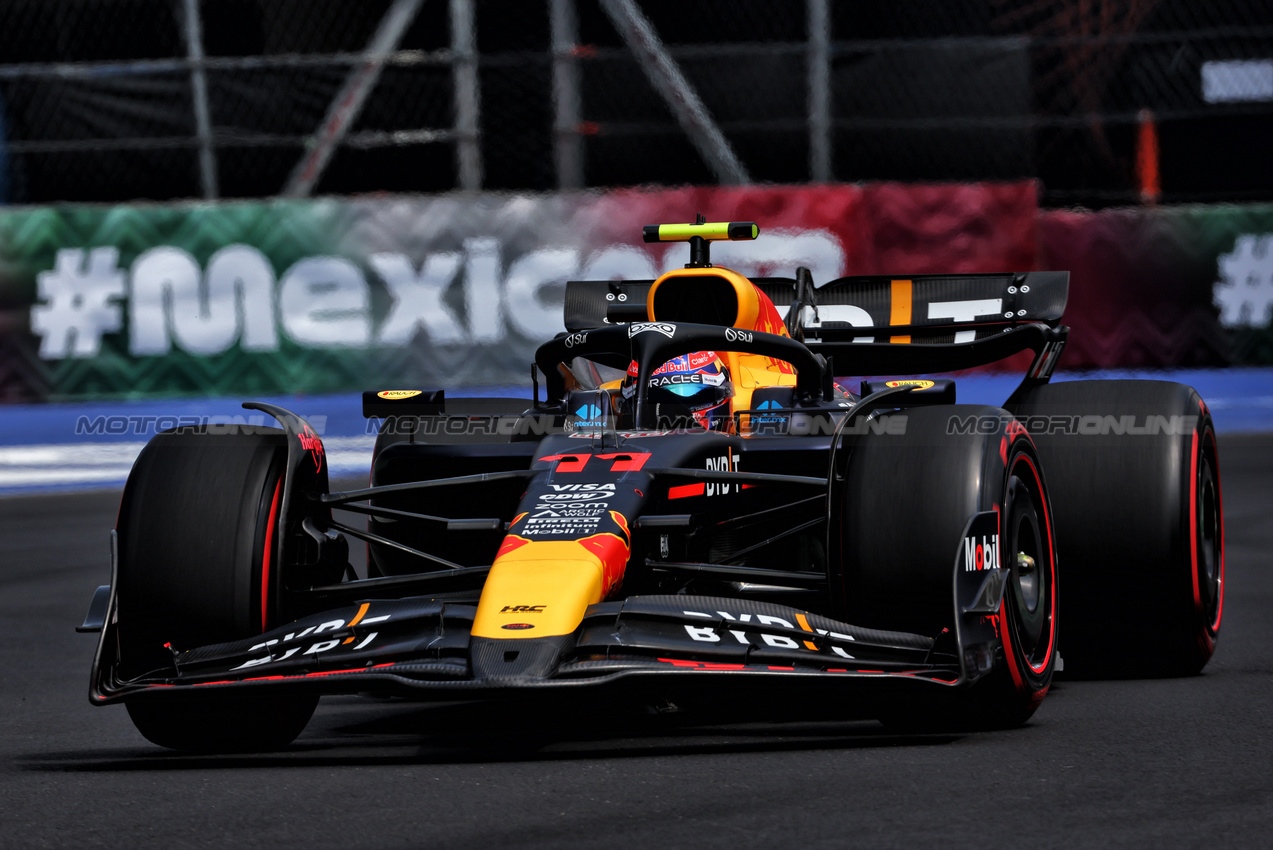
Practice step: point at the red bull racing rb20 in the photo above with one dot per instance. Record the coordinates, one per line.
(697, 508)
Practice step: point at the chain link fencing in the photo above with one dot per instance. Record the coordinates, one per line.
(1104, 102)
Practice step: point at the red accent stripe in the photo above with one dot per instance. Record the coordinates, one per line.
(1193, 519)
(621, 521)
(684, 490)
(626, 461)
(1207, 638)
(268, 555)
(317, 674)
(511, 543)
(568, 463)
(333, 672)
(1215, 627)
(712, 665)
(1047, 524)
(1005, 630)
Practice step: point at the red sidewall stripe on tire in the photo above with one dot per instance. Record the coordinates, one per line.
(1215, 473)
(1210, 629)
(1193, 521)
(268, 555)
(1005, 629)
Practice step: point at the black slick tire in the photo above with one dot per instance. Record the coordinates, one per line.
(196, 533)
(1134, 472)
(906, 501)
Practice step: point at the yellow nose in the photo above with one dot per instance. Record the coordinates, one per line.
(543, 588)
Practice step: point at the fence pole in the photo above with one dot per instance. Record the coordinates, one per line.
(468, 95)
(666, 77)
(567, 144)
(347, 105)
(199, 92)
(819, 91)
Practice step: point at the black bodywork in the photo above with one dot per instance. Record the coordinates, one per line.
(733, 572)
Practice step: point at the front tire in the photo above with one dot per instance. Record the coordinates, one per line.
(1027, 619)
(907, 499)
(197, 530)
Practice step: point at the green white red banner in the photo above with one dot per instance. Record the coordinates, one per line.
(283, 297)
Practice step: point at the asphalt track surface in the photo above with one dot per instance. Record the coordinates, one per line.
(1174, 763)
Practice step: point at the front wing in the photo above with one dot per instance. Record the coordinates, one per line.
(422, 647)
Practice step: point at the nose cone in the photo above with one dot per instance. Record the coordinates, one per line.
(541, 588)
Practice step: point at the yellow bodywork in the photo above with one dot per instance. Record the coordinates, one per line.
(754, 312)
(542, 588)
(547, 585)
(712, 231)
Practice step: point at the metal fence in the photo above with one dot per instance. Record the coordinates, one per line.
(1102, 101)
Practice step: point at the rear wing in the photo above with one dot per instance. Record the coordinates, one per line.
(931, 309)
(878, 325)
(926, 308)
(875, 325)
(596, 303)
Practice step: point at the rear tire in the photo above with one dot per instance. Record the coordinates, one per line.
(906, 502)
(195, 569)
(1139, 520)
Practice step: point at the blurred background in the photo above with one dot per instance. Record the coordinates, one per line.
(120, 100)
(220, 199)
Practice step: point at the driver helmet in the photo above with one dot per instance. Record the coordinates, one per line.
(690, 390)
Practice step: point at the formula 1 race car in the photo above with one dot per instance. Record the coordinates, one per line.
(699, 508)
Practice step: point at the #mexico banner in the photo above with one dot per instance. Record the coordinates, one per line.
(280, 297)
